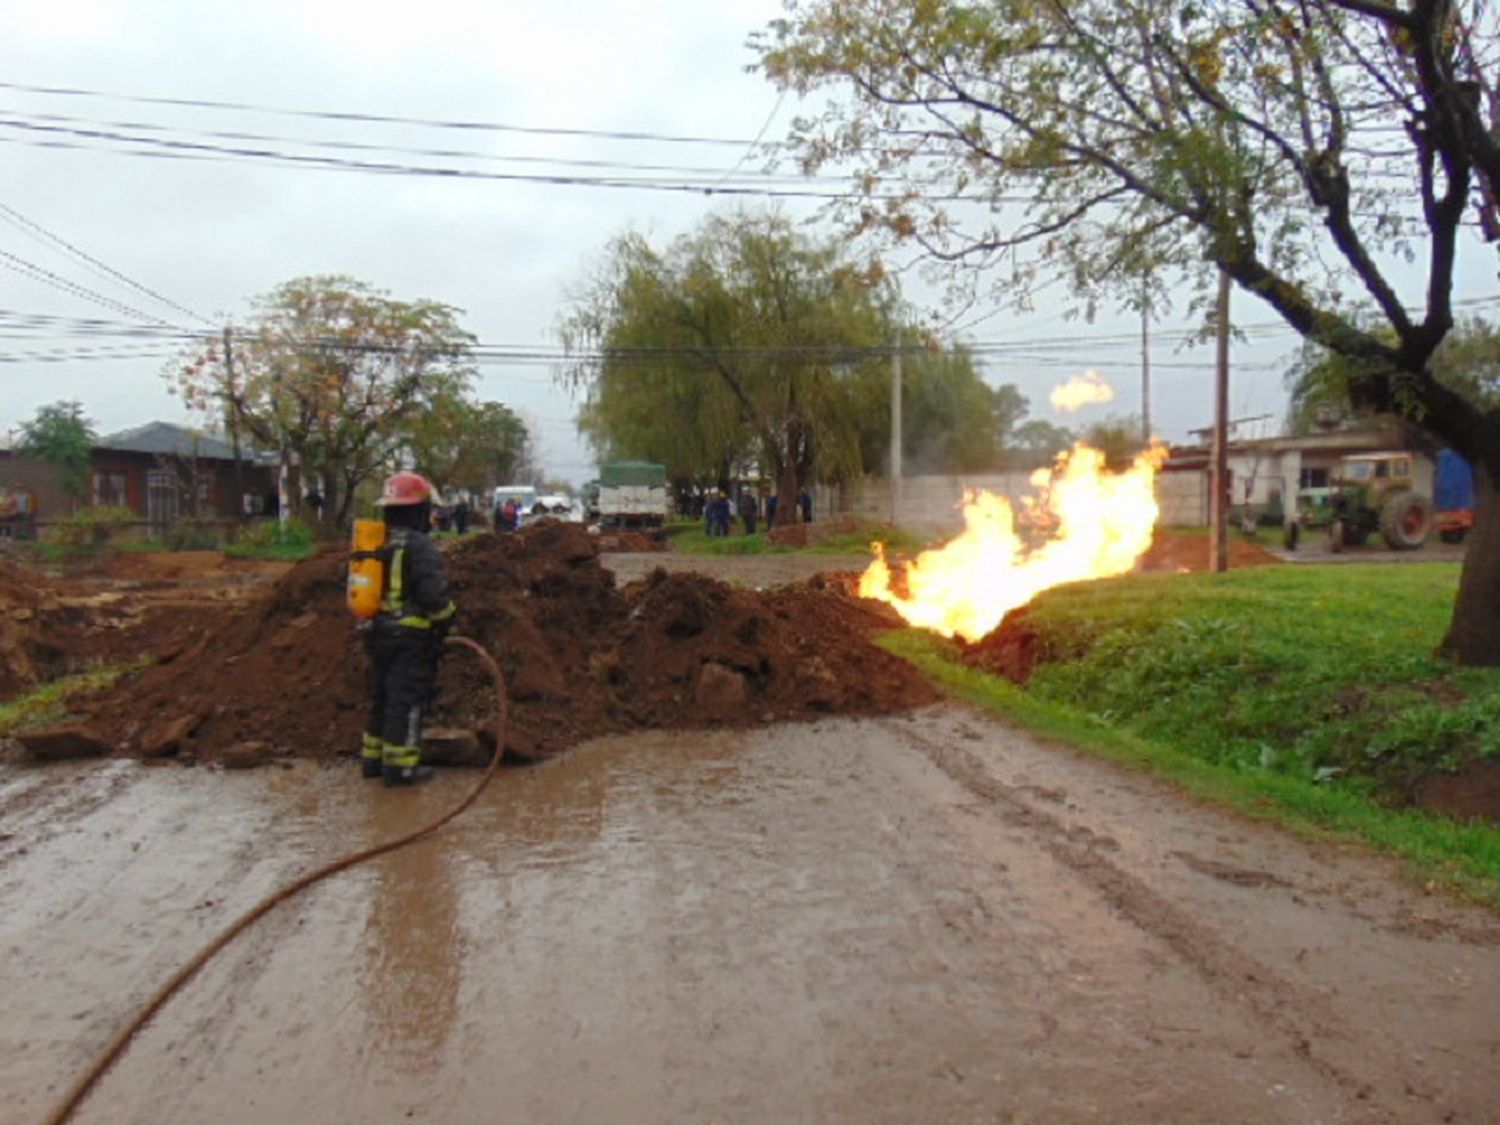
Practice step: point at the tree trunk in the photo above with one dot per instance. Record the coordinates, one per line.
(1474, 633)
(788, 511)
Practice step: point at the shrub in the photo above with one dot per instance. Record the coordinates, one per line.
(273, 539)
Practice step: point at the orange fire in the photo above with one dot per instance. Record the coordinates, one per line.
(1100, 524)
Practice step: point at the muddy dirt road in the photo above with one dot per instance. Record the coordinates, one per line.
(921, 918)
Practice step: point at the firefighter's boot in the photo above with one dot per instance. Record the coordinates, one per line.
(400, 766)
(372, 757)
(406, 775)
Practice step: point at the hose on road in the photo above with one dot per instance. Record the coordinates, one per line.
(113, 1049)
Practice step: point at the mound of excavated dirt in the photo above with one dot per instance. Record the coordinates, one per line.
(114, 609)
(1188, 550)
(581, 658)
(632, 541)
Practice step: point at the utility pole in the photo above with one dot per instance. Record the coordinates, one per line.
(896, 432)
(1218, 478)
(1146, 357)
(234, 427)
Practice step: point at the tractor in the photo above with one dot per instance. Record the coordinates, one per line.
(1377, 492)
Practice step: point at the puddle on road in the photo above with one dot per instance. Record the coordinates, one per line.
(525, 928)
(797, 923)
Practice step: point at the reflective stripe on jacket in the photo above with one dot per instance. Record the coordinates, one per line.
(416, 586)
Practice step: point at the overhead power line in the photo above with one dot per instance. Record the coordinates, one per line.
(17, 264)
(377, 118)
(91, 126)
(710, 183)
(43, 233)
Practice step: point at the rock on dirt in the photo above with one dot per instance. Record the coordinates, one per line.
(63, 742)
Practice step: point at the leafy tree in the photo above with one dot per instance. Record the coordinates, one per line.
(334, 372)
(739, 341)
(1037, 443)
(1468, 361)
(1118, 438)
(61, 436)
(951, 420)
(468, 445)
(1317, 152)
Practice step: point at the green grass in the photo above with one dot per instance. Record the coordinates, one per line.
(689, 539)
(49, 703)
(1307, 694)
(292, 541)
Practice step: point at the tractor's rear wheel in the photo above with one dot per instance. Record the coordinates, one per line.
(1406, 521)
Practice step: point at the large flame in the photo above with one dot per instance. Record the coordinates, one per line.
(1088, 389)
(1099, 524)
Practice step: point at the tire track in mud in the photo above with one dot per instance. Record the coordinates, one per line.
(37, 806)
(1275, 1003)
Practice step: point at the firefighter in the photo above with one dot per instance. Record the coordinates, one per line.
(404, 640)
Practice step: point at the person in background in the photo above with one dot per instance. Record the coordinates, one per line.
(404, 640)
(804, 502)
(461, 516)
(722, 513)
(771, 510)
(748, 511)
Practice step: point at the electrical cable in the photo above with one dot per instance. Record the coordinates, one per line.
(17, 264)
(117, 1043)
(42, 232)
(376, 118)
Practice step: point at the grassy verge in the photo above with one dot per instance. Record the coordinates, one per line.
(689, 539)
(1303, 695)
(291, 541)
(49, 703)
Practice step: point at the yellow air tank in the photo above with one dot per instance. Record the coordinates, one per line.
(366, 568)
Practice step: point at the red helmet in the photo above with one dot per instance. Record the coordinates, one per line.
(406, 488)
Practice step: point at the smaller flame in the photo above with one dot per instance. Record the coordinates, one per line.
(1088, 389)
(1098, 525)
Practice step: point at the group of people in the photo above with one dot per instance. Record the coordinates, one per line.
(719, 512)
(452, 517)
(508, 516)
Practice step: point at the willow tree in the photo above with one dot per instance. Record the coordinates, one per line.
(1324, 154)
(742, 336)
(331, 371)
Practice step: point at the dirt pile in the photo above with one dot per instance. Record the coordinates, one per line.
(48, 629)
(812, 534)
(1188, 550)
(581, 658)
(632, 541)
(112, 609)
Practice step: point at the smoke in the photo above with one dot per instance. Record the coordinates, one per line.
(1088, 389)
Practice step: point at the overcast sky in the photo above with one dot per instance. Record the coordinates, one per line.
(204, 235)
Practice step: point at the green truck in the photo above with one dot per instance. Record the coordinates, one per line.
(632, 496)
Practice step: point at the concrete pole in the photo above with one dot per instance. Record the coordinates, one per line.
(1218, 507)
(896, 432)
(234, 429)
(1146, 359)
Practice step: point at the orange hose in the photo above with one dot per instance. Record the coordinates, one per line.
(117, 1043)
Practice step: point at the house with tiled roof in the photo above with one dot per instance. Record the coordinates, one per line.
(161, 471)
